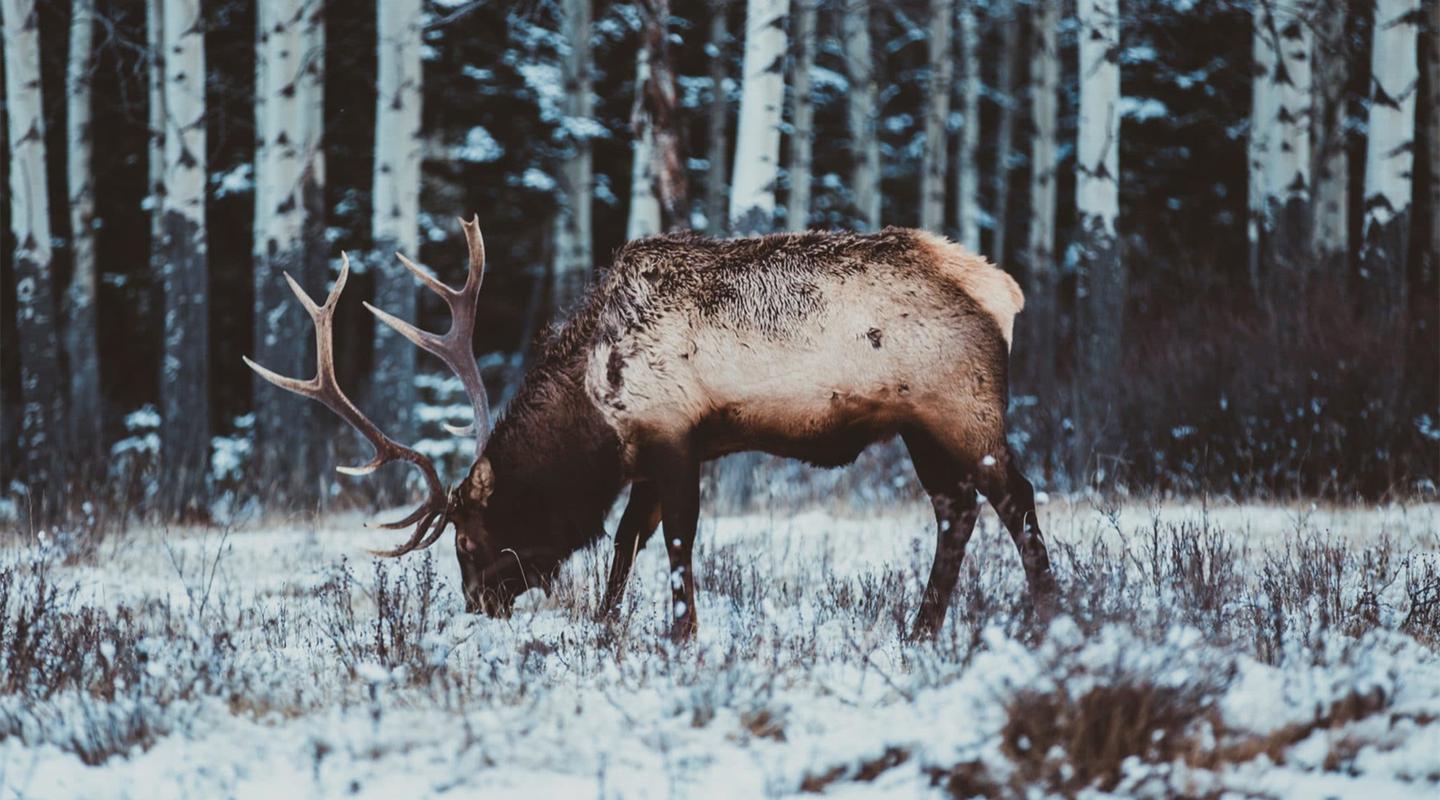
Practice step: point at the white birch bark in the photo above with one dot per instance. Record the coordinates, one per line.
(574, 256)
(1281, 153)
(41, 390)
(967, 167)
(937, 117)
(862, 112)
(289, 236)
(184, 383)
(762, 99)
(1330, 227)
(644, 216)
(395, 215)
(1100, 301)
(802, 118)
(717, 148)
(1390, 155)
(1009, 22)
(86, 413)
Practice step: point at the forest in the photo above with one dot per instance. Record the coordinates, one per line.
(1222, 214)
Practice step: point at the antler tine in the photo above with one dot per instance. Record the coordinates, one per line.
(456, 348)
(475, 241)
(326, 389)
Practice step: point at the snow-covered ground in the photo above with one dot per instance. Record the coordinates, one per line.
(1267, 651)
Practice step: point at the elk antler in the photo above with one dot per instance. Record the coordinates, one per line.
(456, 347)
(431, 516)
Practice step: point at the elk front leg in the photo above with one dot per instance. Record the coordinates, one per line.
(676, 473)
(642, 515)
(955, 514)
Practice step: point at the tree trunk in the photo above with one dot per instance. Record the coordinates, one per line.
(1100, 299)
(862, 108)
(1009, 14)
(802, 135)
(967, 167)
(155, 161)
(937, 117)
(1434, 139)
(672, 184)
(289, 179)
(42, 408)
(718, 121)
(644, 218)
(86, 411)
(1331, 63)
(1044, 100)
(184, 376)
(319, 428)
(762, 98)
(1281, 157)
(1390, 157)
(574, 255)
(395, 212)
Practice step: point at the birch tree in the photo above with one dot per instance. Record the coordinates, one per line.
(937, 117)
(1009, 21)
(802, 118)
(86, 413)
(672, 185)
(1101, 277)
(574, 256)
(862, 112)
(41, 390)
(289, 174)
(644, 216)
(1330, 225)
(762, 97)
(1390, 156)
(1280, 151)
(1044, 100)
(184, 374)
(717, 125)
(395, 213)
(967, 158)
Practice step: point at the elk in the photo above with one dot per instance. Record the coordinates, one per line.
(810, 346)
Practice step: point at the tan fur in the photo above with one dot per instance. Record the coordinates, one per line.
(914, 335)
(992, 287)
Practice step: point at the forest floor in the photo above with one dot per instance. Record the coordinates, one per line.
(1272, 651)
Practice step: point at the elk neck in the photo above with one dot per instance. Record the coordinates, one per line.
(557, 462)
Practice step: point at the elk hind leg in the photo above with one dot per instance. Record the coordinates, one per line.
(1013, 497)
(953, 497)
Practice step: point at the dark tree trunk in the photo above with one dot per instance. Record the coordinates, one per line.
(717, 193)
(672, 185)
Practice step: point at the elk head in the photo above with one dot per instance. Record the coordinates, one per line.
(491, 583)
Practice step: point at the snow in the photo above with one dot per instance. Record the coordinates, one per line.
(786, 683)
(479, 147)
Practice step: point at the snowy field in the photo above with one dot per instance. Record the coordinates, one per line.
(1251, 651)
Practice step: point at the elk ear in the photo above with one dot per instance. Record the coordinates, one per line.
(480, 483)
